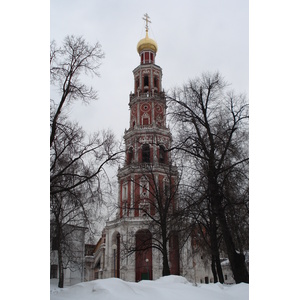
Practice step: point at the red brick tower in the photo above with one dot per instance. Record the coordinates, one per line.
(148, 165)
(147, 138)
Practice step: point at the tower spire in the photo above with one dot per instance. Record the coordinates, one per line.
(146, 18)
(146, 43)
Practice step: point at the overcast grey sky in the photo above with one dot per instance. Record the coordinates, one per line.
(193, 36)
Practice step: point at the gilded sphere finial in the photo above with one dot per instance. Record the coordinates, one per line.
(146, 43)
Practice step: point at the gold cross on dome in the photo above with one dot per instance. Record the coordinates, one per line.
(147, 20)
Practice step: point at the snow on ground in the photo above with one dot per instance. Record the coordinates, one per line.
(168, 287)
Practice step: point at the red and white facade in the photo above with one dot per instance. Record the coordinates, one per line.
(147, 165)
(147, 160)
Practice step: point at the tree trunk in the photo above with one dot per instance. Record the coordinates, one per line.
(214, 245)
(237, 261)
(216, 267)
(60, 269)
(166, 268)
(213, 268)
(219, 269)
(60, 256)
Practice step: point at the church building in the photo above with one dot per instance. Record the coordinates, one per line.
(132, 245)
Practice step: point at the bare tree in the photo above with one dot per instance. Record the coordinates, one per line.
(77, 175)
(67, 65)
(77, 160)
(161, 210)
(212, 130)
(203, 225)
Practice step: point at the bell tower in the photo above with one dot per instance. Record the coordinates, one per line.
(147, 139)
(146, 176)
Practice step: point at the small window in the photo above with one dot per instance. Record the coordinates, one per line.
(124, 191)
(146, 81)
(147, 57)
(146, 153)
(130, 155)
(145, 121)
(162, 154)
(155, 82)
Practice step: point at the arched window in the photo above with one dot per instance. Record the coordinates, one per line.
(145, 119)
(162, 154)
(146, 57)
(124, 190)
(146, 153)
(146, 82)
(130, 155)
(143, 255)
(155, 83)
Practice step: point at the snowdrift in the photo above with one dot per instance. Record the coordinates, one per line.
(168, 287)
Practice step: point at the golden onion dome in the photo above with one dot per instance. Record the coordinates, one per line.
(146, 44)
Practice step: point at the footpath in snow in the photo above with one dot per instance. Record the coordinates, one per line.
(168, 287)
